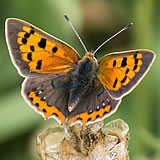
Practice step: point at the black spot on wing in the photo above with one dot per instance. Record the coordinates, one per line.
(31, 99)
(32, 31)
(40, 92)
(32, 48)
(49, 104)
(115, 83)
(97, 108)
(124, 79)
(89, 119)
(54, 50)
(55, 114)
(135, 67)
(27, 35)
(90, 111)
(24, 40)
(124, 62)
(29, 56)
(98, 116)
(79, 119)
(44, 98)
(135, 55)
(39, 63)
(127, 71)
(105, 113)
(136, 61)
(42, 43)
(44, 110)
(37, 104)
(114, 63)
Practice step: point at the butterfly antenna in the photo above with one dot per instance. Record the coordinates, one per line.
(66, 17)
(123, 29)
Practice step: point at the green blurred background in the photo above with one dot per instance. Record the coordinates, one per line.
(95, 20)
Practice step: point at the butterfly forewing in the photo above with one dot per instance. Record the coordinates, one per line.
(121, 72)
(36, 52)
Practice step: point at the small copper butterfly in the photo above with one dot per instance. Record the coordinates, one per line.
(59, 84)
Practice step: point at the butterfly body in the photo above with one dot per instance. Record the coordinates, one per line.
(59, 84)
(83, 79)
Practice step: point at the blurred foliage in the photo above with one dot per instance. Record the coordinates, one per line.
(95, 20)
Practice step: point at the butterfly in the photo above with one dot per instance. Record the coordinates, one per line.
(59, 84)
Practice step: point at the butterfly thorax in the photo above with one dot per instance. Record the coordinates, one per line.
(87, 67)
(83, 79)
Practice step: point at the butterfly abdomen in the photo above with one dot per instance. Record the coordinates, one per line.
(82, 79)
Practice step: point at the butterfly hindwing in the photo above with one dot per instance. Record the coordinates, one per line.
(94, 107)
(48, 95)
(36, 52)
(121, 72)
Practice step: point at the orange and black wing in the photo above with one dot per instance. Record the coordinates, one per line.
(121, 72)
(48, 96)
(35, 52)
(95, 106)
(42, 59)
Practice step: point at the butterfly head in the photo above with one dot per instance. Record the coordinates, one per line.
(90, 56)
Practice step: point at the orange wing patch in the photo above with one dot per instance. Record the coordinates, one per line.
(44, 55)
(85, 117)
(116, 70)
(42, 107)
